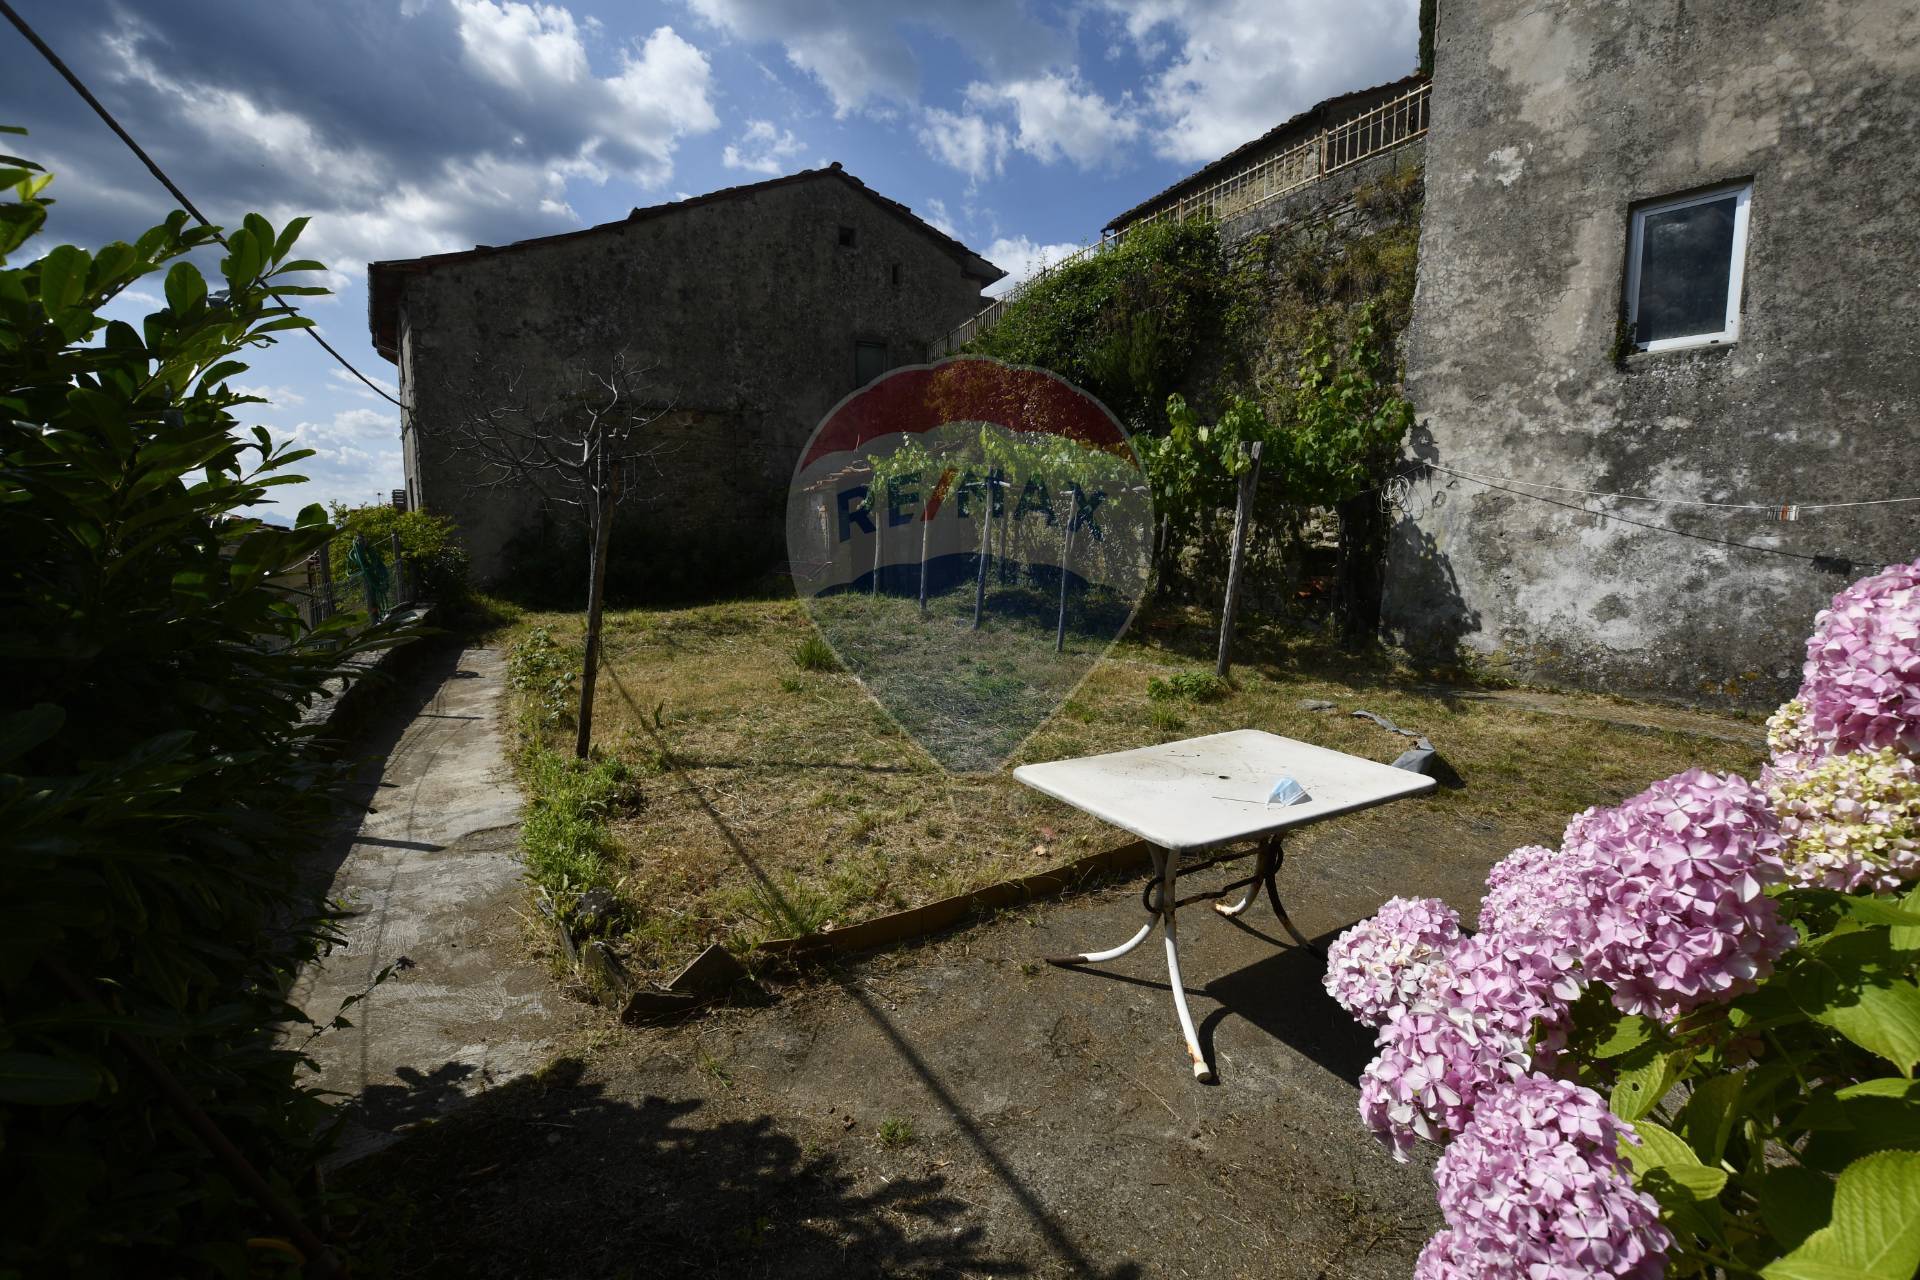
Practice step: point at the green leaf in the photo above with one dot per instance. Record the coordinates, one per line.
(1663, 1151)
(1875, 1115)
(1628, 1032)
(63, 279)
(1643, 1080)
(1907, 937)
(1882, 1019)
(22, 731)
(1875, 1231)
(1794, 1203)
(1710, 1115)
(1868, 910)
(186, 288)
(288, 234)
(40, 1080)
(242, 262)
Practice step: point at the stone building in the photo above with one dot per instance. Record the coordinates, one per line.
(1668, 251)
(757, 308)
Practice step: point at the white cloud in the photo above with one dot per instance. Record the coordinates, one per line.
(1059, 117)
(970, 143)
(276, 396)
(939, 219)
(1236, 68)
(761, 148)
(347, 382)
(1021, 258)
(356, 458)
(858, 51)
(475, 117)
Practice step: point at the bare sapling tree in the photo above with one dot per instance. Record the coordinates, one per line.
(581, 441)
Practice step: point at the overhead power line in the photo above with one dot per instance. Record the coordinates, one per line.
(1774, 508)
(1832, 563)
(53, 59)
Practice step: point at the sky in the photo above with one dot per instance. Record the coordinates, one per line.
(406, 127)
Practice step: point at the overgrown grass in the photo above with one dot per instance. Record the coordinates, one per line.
(1188, 686)
(814, 654)
(761, 799)
(566, 835)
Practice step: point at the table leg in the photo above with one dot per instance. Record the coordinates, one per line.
(1272, 864)
(1114, 953)
(1261, 870)
(1167, 862)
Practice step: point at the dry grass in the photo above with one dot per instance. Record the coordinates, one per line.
(776, 799)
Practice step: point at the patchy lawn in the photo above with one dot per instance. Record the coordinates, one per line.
(750, 766)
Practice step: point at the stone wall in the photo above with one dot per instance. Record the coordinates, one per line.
(1549, 123)
(747, 307)
(1331, 199)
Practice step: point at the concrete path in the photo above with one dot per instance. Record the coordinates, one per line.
(959, 1109)
(429, 871)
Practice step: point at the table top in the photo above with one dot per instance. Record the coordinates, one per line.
(1202, 792)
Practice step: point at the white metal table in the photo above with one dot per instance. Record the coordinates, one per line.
(1204, 793)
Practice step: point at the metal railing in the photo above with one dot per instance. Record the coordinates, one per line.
(1391, 124)
(318, 594)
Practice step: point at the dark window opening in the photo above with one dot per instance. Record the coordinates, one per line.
(1684, 273)
(893, 274)
(846, 237)
(869, 362)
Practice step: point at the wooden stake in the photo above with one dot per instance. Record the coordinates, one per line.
(1242, 516)
(980, 572)
(1066, 558)
(926, 526)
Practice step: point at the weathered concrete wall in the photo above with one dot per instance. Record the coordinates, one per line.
(747, 307)
(1549, 122)
(1331, 199)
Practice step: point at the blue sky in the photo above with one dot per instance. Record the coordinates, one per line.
(406, 127)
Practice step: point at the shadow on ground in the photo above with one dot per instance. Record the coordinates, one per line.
(555, 1176)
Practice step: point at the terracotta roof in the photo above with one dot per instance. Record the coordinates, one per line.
(383, 278)
(1318, 116)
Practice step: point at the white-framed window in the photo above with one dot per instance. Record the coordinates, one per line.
(1684, 269)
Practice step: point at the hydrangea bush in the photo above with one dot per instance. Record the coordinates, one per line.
(1684, 1042)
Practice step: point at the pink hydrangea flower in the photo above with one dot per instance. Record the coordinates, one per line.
(1473, 1031)
(1850, 822)
(1433, 1064)
(1443, 1258)
(1534, 1189)
(1790, 742)
(1861, 680)
(1677, 914)
(1378, 968)
(1519, 889)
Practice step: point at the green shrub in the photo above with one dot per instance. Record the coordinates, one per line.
(544, 674)
(429, 544)
(815, 654)
(156, 784)
(1187, 686)
(1129, 324)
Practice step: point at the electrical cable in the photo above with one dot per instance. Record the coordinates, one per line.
(1677, 502)
(86, 94)
(1837, 564)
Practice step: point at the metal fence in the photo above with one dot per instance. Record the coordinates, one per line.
(1389, 125)
(319, 594)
